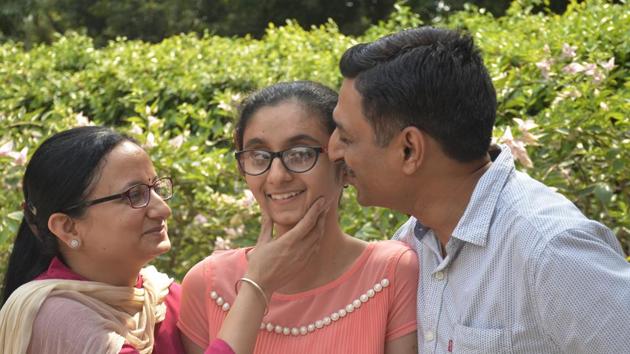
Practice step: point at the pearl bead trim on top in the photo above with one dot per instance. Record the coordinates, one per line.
(319, 324)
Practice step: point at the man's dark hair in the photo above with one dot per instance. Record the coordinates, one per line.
(430, 78)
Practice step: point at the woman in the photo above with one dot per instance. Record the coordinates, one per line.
(94, 214)
(353, 296)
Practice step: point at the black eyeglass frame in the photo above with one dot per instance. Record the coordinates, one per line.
(126, 195)
(280, 154)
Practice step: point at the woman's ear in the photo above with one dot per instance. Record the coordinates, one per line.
(413, 144)
(64, 227)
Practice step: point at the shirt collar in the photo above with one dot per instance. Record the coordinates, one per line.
(474, 224)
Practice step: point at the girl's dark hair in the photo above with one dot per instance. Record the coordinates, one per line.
(58, 176)
(314, 97)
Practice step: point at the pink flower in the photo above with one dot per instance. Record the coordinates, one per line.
(568, 52)
(517, 148)
(525, 127)
(248, 199)
(574, 68)
(545, 67)
(200, 219)
(19, 158)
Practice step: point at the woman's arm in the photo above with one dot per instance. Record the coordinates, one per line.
(407, 344)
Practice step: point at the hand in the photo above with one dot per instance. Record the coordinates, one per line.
(275, 262)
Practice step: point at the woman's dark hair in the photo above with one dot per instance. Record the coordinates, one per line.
(58, 175)
(314, 97)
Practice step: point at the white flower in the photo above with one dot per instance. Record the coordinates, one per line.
(222, 244)
(603, 106)
(153, 120)
(150, 142)
(6, 149)
(608, 65)
(225, 106)
(81, 120)
(135, 129)
(177, 141)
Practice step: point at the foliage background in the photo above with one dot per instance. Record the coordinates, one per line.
(561, 79)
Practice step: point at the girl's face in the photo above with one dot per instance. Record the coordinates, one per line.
(284, 195)
(113, 234)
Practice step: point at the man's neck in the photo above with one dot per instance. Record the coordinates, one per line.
(442, 200)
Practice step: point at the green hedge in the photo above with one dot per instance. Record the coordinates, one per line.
(178, 97)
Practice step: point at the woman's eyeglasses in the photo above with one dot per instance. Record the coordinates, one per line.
(138, 195)
(297, 159)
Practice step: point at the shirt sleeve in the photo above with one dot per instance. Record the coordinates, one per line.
(219, 346)
(402, 315)
(582, 292)
(193, 312)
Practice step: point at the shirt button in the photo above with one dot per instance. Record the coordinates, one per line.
(428, 336)
(438, 275)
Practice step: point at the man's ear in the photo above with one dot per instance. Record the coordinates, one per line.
(63, 226)
(413, 145)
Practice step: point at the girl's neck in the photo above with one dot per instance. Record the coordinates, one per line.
(337, 252)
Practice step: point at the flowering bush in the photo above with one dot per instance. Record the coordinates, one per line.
(561, 84)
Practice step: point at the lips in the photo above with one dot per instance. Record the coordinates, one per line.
(156, 229)
(284, 196)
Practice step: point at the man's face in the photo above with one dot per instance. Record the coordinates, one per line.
(370, 167)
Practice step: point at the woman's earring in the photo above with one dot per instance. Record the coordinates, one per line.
(75, 243)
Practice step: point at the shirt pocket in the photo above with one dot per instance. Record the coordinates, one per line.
(469, 340)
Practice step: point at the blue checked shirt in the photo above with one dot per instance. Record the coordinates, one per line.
(525, 272)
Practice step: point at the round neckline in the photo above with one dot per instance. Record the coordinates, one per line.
(358, 263)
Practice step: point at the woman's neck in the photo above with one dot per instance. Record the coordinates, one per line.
(113, 274)
(337, 252)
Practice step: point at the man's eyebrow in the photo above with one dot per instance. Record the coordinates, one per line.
(338, 125)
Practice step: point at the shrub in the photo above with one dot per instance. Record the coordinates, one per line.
(561, 82)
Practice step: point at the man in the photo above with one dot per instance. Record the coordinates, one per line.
(506, 264)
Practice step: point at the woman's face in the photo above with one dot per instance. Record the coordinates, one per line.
(113, 233)
(285, 195)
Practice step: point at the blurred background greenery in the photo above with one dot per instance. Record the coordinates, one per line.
(560, 71)
(35, 21)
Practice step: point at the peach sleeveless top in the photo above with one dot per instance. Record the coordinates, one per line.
(371, 303)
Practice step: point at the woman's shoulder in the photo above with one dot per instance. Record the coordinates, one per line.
(388, 250)
(61, 321)
(389, 257)
(220, 266)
